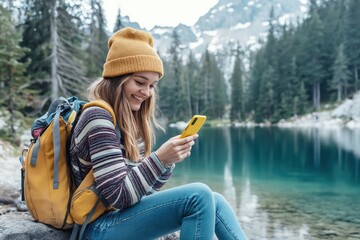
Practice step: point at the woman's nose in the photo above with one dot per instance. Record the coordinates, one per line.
(146, 91)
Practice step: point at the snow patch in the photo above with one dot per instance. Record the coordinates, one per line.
(241, 26)
(303, 9)
(211, 33)
(161, 31)
(229, 5)
(194, 45)
(213, 11)
(283, 19)
(221, 8)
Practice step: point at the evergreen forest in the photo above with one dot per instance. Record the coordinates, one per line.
(57, 47)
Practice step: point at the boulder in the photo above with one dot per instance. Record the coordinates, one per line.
(21, 226)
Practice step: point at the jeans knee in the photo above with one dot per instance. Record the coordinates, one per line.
(202, 193)
(219, 197)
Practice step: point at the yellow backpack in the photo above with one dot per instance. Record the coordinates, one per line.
(48, 188)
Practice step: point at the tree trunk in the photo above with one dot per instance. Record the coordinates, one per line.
(188, 95)
(356, 77)
(316, 95)
(11, 100)
(54, 57)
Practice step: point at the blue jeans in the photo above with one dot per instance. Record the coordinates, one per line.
(193, 209)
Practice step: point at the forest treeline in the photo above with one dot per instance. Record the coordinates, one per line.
(57, 47)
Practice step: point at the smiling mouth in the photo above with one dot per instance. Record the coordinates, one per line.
(138, 98)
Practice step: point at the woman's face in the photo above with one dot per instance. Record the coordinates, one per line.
(140, 87)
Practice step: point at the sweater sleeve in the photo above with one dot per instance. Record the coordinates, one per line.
(120, 184)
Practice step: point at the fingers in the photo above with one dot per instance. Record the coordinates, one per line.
(186, 139)
(183, 155)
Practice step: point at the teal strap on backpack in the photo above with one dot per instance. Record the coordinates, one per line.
(35, 152)
(56, 139)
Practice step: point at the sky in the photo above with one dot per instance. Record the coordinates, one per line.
(149, 13)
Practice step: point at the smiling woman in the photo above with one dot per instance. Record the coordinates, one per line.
(165, 12)
(128, 174)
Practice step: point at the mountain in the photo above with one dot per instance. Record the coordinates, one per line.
(229, 21)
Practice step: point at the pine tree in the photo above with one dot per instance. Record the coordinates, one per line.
(206, 75)
(12, 79)
(173, 102)
(179, 103)
(295, 88)
(36, 36)
(98, 38)
(67, 66)
(196, 85)
(341, 76)
(284, 88)
(315, 71)
(352, 42)
(218, 97)
(118, 23)
(258, 63)
(266, 107)
(332, 15)
(53, 32)
(166, 87)
(237, 102)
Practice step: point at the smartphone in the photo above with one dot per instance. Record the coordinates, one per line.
(193, 126)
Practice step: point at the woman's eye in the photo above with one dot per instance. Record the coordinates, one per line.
(139, 83)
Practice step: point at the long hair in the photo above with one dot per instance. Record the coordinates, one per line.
(134, 125)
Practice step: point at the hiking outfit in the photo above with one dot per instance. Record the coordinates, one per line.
(193, 208)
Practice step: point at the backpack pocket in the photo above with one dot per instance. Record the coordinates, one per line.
(86, 205)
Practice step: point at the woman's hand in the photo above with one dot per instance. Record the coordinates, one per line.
(176, 149)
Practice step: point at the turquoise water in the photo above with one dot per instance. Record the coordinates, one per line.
(282, 183)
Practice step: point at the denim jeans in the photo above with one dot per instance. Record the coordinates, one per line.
(193, 209)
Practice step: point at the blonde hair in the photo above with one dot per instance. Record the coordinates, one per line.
(133, 124)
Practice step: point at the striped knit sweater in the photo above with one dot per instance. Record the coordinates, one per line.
(122, 182)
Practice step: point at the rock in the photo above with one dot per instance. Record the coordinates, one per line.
(20, 226)
(328, 233)
(173, 236)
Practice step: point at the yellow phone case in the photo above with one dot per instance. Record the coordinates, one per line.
(193, 126)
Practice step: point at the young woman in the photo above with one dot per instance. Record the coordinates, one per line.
(127, 173)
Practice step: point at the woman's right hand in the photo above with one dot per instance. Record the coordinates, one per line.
(176, 149)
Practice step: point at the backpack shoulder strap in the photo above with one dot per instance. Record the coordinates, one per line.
(102, 104)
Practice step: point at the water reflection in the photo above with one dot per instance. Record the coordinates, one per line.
(283, 183)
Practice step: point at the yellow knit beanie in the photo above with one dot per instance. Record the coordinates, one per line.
(131, 50)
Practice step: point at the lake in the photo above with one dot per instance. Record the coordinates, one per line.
(283, 183)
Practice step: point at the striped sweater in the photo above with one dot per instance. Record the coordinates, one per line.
(122, 182)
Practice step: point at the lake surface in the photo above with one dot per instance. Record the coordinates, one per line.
(282, 183)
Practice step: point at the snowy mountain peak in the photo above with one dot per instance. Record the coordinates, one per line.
(231, 21)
